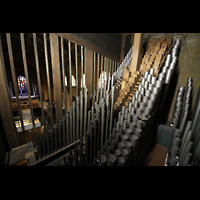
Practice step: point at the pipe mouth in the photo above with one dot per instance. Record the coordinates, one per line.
(125, 153)
(124, 138)
(128, 144)
(164, 69)
(111, 158)
(172, 160)
(102, 158)
(121, 161)
(121, 145)
(117, 152)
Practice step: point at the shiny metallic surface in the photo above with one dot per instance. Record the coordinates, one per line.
(146, 85)
(148, 93)
(146, 98)
(168, 57)
(151, 71)
(174, 59)
(139, 124)
(76, 70)
(5, 103)
(101, 76)
(70, 72)
(149, 77)
(176, 141)
(111, 110)
(172, 66)
(151, 86)
(173, 150)
(134, 140)
(172, 160)
(142, 92)
(153, 80)
(150, 103)
(147, 110)
(143, 81)
(121, 145)
(155, 90)
(121, 161)
(153, 96)
(125, 153)
(188, 148)
(158, 84)
(82, 68)
(117, 153)
(164, 69)
(140, 96)
(169, 76)
(145, 75)
(138, 111)
(102, 160)
(167, 62)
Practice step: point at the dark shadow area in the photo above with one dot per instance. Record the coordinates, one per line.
(3, 144)
(169, 98)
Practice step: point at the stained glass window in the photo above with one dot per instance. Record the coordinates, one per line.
(21, 82)
(22, 85)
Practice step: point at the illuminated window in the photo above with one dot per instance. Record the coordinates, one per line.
(83, 80)
(65, 81)
(104, 79)
(73, 81)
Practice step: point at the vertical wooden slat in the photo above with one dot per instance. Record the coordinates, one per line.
(89, 71)
(94, 73)
(137, 45)
(56, 75)
(76, 70)
(48, 77)
(5, 104)
(63, 75)
(15, 83)
(132, 38)
(70, 72)
(104, 83)
(27, 81)
(97, 78)
(101, 76)
(38, 76)
(107, 70)
(122, 47)
(82, 67)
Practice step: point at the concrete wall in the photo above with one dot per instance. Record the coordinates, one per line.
(188, 66)
(109, 42)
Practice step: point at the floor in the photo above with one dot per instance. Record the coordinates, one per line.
(156, 157)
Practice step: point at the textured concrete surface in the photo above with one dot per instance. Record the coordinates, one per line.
(109, 42)
(188, 65)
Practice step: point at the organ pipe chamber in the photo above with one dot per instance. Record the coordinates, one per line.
(92, 109)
